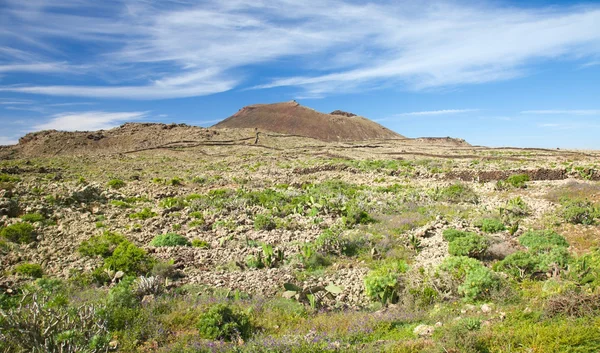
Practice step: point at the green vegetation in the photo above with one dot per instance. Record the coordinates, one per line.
(546, 252)
(471, 245)
(116, 183)
(222, 322)
(169, 239)
(33, 218)
(198, 243)
(518, 181)
(145, 213)
(328, 255)
(383, 283)
(491, 225)
(579, 211)
(475, 280)
(30, 270)
(456, 193)
(264, 222)
(22, 233)
(119, 254)
(7, 178)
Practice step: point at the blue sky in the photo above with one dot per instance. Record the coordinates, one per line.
(496, 73)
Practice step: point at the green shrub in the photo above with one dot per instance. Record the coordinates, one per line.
(451, 234)
(354, 214)
(383, 283)
(254, 261)
(457, 193)
(476, 280)
(197, 215)
(169, 239)
(33, 217)
(120, 204)
(312, 259)
(175, 181)
(471, 245)
(222, 322)
(143, 214)
(116, 183)
(542, 239)
(130, 259)
(198, 243)
(478, 283)
(491, 225)
(7, 178)
(22, 233)
(101, 245)
(30, 270)
(518, 181)
(264, 222)
(177, 203)
(579, 211)
(523, 264)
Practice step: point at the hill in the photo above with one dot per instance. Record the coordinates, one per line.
(292, 118)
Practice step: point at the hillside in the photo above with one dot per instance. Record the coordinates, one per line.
(294, 119)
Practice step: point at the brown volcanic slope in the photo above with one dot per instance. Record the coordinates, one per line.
(292, 118)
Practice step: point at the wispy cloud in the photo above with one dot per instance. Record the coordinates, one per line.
(34, 67)
(180, 48)
(563, 112)
(438, 112)
(7, 140)
(87, 121)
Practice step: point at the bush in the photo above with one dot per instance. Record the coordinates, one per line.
(33, 217)
(22, 233)
(471, 245)
(524, 264)
(6, 178)
(222, 322)
(542, 239)
(30, 270)
(354, 214)
(383, 283)
(116, 183)
(46, 326)
(518, 181)
(175, 181)
(457, 193)
(451, 234)
(130, 259)
(491, 225)
(475, 280)
(478, 283)
(579, 211)
(169, 239)
(264, 222)
(198, 243)
(143, 214)
(101, 245)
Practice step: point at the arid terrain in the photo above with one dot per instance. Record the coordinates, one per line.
(301, 244)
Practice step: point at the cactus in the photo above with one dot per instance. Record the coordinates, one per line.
(148, 285)
(310, 295)
(34, 326)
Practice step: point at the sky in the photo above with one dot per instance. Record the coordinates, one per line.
(496, 73)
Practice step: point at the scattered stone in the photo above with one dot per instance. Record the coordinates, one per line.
(423, 330)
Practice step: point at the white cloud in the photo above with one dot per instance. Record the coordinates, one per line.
(88, 121)
(181, 49)
(438, 112)
(563, 112)
(6, 140)
(34, 67)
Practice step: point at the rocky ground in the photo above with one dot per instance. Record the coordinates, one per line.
(398, 183)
